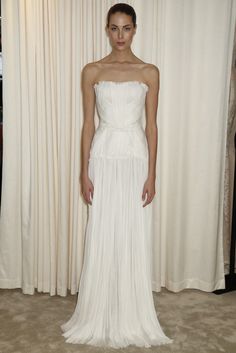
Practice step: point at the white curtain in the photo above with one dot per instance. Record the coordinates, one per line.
(43, 217)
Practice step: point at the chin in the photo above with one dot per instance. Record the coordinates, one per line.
(120, 48)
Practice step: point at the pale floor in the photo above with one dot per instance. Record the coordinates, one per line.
(199, 322)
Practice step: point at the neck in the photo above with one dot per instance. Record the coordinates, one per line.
(122, 56)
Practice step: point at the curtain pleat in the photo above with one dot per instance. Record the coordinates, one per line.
(46, 43)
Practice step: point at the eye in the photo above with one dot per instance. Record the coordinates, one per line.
(113, 28)
(127, 28)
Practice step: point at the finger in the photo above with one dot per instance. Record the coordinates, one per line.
(146, 202)
(152, 197)
(149, 200)
(89, 198)
(144, 194)
(86, 197)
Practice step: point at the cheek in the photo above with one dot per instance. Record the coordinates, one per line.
(113, 35)
(128, 36)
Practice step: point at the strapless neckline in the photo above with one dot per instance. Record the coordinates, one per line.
(121, 82)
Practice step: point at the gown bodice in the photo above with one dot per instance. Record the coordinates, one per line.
(120, 107)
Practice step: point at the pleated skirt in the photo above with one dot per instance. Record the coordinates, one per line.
(115, 306)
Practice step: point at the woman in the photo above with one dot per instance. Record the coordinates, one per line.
(115, 305)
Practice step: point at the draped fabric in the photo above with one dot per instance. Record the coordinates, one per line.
(115, 304)
(45, 45)
(230, 162)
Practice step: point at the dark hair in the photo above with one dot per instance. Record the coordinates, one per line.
(122, 7)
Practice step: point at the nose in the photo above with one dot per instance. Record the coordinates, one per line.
(120, 34)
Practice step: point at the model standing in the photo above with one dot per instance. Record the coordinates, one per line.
(115, 304)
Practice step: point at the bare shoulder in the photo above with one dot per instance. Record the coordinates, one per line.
(151, 74)
(152, 69)
(89, 72)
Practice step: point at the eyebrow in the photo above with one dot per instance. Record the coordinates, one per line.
(122, 26)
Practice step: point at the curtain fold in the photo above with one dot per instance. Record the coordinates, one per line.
(43, 218)
(230, 162)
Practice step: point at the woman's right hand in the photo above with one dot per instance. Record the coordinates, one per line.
(87, 188)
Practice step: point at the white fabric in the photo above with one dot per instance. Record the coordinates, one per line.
(43, 216)
(115, 305)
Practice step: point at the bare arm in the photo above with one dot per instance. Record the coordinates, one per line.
(88, 129)
(151, 129)
(88, 114)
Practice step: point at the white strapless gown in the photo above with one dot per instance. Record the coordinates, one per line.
(115, 304)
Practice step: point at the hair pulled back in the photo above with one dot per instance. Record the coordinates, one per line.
(124, 8)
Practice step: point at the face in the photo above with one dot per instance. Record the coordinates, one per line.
(120, 31)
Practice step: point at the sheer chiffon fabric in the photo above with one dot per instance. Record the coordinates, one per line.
(115, 306)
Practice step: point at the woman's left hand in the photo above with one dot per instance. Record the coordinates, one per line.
(148, 190)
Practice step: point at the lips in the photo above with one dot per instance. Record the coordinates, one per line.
(120, 43)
